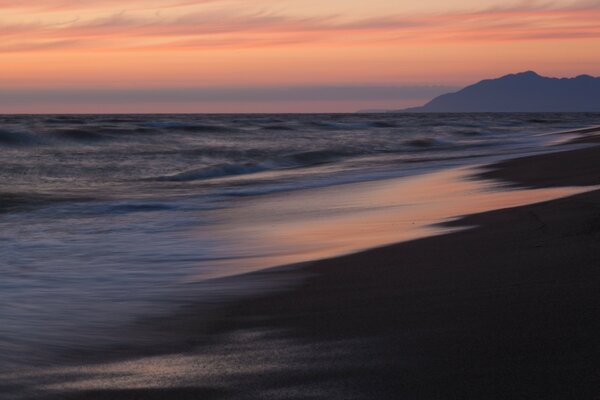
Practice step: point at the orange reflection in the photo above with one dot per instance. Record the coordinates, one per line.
(319, 223)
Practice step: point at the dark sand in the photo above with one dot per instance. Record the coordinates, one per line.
(506, 310)
(573, 168)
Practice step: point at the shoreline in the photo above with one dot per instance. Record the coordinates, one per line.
(525, 326)
(487, 312)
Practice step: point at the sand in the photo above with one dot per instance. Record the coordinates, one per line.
(508, 309)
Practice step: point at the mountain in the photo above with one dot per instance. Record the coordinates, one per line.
(522, 92)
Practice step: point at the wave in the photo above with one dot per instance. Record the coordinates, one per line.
(80, 134)
(278, 128)
(18, 138)
(214, 172)
(189, 127)
(120, 120)
(468, 133)
(11, 202)
(259, 120)
(384, 124)
(546, 120)
(140, 207)
(340, 125)
(65, 120)
(58, 136)
(317, 156)
(294, 160)
(206, 128)
(423, 143)
(97, 133)
(328, 125)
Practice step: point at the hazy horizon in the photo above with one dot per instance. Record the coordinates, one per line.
(302, 99)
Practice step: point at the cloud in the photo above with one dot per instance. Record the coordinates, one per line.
(58, 5)
(243, 27)
(37, 46)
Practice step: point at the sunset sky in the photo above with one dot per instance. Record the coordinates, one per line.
(277, 55)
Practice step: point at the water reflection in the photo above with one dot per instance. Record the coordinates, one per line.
(319, 223)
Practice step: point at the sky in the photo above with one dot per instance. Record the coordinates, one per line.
(87, 56)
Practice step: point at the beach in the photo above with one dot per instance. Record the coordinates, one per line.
(499, 304)
(299, 200)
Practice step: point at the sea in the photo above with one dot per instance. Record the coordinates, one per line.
(107, 218)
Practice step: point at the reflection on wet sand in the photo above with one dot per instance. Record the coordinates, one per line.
(319, 223)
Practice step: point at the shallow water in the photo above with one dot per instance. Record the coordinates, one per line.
(106, 218)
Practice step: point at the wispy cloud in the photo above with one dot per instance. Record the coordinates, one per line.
(38, 46)
(244, 27)
(57, 5)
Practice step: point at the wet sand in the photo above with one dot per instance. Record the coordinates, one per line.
(508, 309)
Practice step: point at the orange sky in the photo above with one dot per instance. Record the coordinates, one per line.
(111, 45)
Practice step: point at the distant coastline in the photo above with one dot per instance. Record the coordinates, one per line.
(521, 92)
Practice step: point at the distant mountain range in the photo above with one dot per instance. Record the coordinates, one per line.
(522, 92)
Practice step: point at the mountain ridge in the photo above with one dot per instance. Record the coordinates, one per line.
(520, 92)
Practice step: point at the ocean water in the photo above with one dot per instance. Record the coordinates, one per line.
(105, 218)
